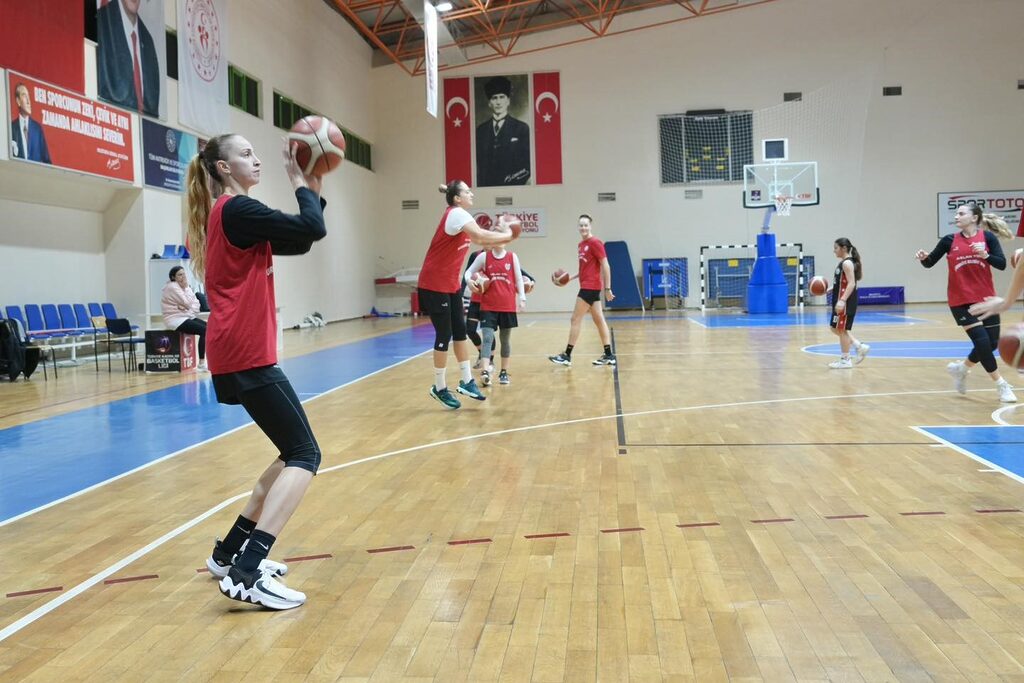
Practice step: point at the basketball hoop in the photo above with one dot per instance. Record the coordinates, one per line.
(783, 203)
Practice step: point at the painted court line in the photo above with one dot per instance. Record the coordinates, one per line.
(694, 525)
(390, 549)
(560, 534)
(48, 607)
(969, 454)
(36, 591)
(306, 558)
(623, 530)
(129, 579)
(845, 516)
(471, 541)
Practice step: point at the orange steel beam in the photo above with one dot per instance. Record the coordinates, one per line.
(370, 35)
(667, 22)
(611, 15)
(468, 12)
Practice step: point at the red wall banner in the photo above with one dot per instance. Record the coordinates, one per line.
(547, 128)
(68, 130)
(45, 38)
(458, 131)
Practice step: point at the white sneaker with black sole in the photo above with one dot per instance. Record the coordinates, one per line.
(219, 562)
(260, 588)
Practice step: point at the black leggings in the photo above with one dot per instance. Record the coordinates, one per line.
(985, 339)
(195, 326)
(449, 321)
(278, 412)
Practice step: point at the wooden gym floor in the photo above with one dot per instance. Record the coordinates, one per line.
(721, 506)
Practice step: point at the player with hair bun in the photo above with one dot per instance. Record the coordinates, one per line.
(440, 287)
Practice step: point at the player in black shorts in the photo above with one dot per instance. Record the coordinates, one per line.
(844, 303)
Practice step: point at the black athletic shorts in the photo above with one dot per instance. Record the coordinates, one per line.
(439, 302)
(231, 386)
(499, 320)
(964, 317)
(474, 310)
(591, 296)
(844, 321)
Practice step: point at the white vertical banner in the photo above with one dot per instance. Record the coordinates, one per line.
(203, 65)
(430, 61)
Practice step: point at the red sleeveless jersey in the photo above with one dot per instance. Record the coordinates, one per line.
(242, 331)
(442, 265)
(591, 251)
(500, 296)
(970, 277)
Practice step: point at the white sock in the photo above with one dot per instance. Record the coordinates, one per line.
(467, 372)
(439, 381)
(856, 346)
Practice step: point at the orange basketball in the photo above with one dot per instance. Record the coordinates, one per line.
(560, 277)
(481, 281)
(321, 144)
(1010, 348)
(818, 286)
(527, 285)
(516, 227)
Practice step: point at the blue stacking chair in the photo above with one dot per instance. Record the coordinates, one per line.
(110, 313)
(36, 328)
(96, 311)
(84, 322)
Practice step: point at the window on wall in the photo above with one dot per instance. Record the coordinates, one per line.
(172, 54)
(243, 91)
(705, 146)
(286, 112)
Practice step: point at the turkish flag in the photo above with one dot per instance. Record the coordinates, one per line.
(547, 127)
(44, 39)
(458, 133)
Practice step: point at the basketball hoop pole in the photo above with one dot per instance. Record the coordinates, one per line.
(766, 226)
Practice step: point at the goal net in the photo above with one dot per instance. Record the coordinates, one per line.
(725, 272)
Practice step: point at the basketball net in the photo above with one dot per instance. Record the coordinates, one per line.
(783, 204)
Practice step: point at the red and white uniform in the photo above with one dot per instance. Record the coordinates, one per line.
(506, 280)
(970, 276)
(443, 263)
(242, 330)
(590, 252)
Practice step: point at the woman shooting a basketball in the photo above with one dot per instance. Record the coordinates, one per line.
(971, 254)
(440, 287)
(233, 239)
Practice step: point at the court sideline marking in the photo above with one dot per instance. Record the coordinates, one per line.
(56, 602)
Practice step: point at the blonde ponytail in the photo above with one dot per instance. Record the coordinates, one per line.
(203, 186)
(199, 204)
(994, 223)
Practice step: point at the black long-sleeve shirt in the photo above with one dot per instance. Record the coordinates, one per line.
(248, 221)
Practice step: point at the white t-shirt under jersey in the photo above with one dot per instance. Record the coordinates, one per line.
(457, 218)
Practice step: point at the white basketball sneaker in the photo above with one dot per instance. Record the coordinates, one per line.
(843, 363)
(219, 562)
(1006, 394)
(260, 588)
(958, 371)
(862, 352)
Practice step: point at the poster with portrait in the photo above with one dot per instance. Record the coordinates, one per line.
(503, 130)
(51, 125)
(131, 55)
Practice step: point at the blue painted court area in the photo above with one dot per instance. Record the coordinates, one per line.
(949, 349)
(821, 317)
(49, 459)
(998, 445)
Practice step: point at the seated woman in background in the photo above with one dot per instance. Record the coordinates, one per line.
(180, 307)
